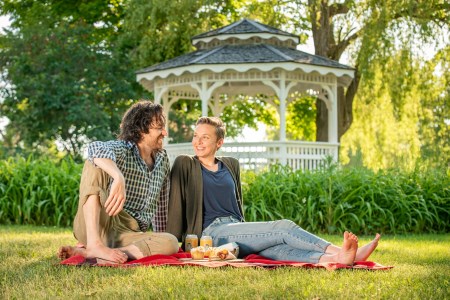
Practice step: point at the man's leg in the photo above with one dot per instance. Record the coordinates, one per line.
(128, 237)
(92, 225)
(95, 247)
(154, 243)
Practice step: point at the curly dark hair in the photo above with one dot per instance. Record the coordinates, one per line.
(138, 118)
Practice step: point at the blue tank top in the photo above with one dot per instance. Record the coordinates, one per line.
(219, 195)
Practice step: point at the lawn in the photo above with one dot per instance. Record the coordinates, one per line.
(29, 270)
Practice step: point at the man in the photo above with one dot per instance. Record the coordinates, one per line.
(124, 189)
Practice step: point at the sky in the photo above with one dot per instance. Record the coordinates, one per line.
(4, 21)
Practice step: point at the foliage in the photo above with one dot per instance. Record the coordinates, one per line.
(434, 123)
(157, 30)
(66, 82)
(29, 270)
(247, 111)
(300, 119)
(182, 116)
(337, 199)
(44, 192)
(69, 68)
(400, 117)
(38, 191)
(370, 31)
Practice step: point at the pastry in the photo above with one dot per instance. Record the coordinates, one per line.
(198, 253)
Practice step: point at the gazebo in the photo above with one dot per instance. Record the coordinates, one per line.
(249, 58)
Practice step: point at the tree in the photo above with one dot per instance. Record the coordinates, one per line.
(67, 83)
(370, 28)
(400, 117)
(434, 124)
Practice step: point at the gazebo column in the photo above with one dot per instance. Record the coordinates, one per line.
(333, 117)
(282, 91)
(158, 94)
(167, 102)
(205, 92)
(331, 102)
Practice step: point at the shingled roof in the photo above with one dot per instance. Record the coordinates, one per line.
(242, 27)
(244, 54)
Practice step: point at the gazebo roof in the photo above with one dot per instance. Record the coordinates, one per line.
(244, 54)
(251, 59)
(243, 46)
(244, 26)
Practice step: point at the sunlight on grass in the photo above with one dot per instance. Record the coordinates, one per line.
(29, 270)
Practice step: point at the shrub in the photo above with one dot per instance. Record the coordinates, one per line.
(337, 199)
(38, 191)
(44, 191)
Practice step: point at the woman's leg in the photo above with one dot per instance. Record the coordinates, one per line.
(254, 237)
(287, 252)
(363, 252)
(345, 255)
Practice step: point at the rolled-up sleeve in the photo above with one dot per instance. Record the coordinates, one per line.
(111, 149)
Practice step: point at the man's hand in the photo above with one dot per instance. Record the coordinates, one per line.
(116, 200)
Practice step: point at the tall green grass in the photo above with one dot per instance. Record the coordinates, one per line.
(38, 191)
(336, 199)
(42, 191)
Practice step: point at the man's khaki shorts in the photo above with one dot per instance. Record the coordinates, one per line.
(117, 231)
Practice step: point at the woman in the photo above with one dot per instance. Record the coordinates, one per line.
(206, 199)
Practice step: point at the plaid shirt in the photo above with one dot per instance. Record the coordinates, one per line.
(147, 192)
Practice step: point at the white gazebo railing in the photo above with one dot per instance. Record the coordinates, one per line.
(254, 156)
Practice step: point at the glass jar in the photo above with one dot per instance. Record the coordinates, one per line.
(190, 242)
(206, 241)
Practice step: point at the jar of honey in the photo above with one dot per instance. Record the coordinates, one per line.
(190, 242)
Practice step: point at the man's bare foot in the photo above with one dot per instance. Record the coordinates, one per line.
(66, 252)
(348, 251)
(100, 251)
(365, 251)
(132, 252)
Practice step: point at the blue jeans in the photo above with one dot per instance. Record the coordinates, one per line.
(279, 240)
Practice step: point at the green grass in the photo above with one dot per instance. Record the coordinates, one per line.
(29, 270)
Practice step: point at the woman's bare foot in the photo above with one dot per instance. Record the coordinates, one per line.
(346, 254)
(365, 251)
(100, 251)
(66, 252)
(348, 251)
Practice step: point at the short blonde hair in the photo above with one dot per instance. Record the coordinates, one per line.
(216, 122)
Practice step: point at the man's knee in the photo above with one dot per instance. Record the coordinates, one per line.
(158, 243)
(165, 243)
(94, 181)
(171, 245)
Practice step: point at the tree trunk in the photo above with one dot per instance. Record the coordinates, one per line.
(321, 121)
(325, 45)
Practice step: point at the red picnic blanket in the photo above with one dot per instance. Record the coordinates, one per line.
(253, 260)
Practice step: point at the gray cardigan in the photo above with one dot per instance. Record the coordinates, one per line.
(186, 194)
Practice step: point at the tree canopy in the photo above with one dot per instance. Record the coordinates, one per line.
(69, 65)
(66, 82)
